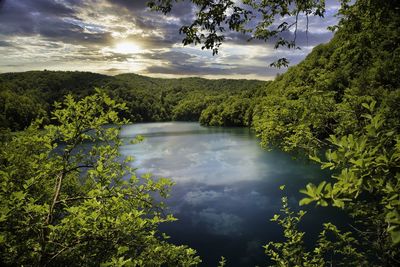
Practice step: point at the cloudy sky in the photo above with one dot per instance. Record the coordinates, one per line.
(120, 36)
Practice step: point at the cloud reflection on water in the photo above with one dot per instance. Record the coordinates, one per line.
(227, 187)
(218, 223)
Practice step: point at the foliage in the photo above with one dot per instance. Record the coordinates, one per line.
(23, 109)
(294, 122)
(342, 99)
(229, 111)
(278, 20)
(222, 262)
(335, 101)
(368, 167)
(263, 20)
(67, 199)
(333, 247)
(28, 95)
(321, 104)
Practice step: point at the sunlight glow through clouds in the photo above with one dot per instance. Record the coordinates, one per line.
(127, 48)
(119, 36)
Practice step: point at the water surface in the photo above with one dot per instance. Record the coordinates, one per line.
(227, 187)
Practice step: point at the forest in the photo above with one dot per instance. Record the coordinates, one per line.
(27, 95)
(340, 107)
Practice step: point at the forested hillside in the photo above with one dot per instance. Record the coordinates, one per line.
(340, 107)
(323, 94)
(25, 96)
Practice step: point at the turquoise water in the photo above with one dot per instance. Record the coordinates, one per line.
(227, 187)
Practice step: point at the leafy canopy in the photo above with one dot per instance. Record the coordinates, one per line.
(262, 20)
(67, 198)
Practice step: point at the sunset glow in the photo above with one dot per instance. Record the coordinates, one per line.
(127, 48)
(121, 36)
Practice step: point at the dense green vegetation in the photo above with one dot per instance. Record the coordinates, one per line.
(25, 96)
(63, 203)
(67, 204)
(344, 100)
(340, 106)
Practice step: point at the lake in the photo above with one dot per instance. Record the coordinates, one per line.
(227, 187)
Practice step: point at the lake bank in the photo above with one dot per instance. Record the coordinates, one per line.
(227, 187)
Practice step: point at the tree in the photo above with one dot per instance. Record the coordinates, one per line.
(268, 20)
(333, 247)
(262, 20)
(67, 198)
(366, 182)
(320, 105)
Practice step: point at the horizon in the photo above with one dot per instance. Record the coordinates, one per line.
(123, 36)
(142, 75)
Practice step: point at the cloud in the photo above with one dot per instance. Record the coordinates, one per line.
(137, 5)
(23, 17)
(223, 197)
(201, 70)
(195, 198)
(184, 64)
(113, 71)
(82, 35)
(219, 223)
(5, 44)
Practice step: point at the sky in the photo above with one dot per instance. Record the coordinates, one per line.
(124, 36)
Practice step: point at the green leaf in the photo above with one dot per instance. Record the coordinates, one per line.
(305, 201)
(315, 158)
(395, 235)
(275, 218)
(365, 105)
(318, 191)
(338, 203)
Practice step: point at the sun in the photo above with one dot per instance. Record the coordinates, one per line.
(127, 48)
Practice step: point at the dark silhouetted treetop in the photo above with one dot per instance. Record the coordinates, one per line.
(263, 20)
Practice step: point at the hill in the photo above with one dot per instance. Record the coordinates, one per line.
(27, 95)
(324, 93)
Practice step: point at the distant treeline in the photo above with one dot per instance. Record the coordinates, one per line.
(27, 95)
(343, 99)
